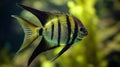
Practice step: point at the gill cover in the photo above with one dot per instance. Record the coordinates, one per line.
(31, 32)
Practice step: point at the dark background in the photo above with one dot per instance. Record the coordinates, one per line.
(8, 37)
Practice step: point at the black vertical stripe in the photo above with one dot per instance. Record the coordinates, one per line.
(41, 31)
(75, 32)
(68, 28)
(52, 31)
(59, 31)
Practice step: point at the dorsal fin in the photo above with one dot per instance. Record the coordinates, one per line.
(41, 15)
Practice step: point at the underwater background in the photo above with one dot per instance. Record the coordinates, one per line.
(101, 48)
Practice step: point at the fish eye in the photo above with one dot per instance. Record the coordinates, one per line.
(82, 29)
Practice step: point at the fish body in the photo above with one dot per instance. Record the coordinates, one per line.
(51, 29)
(57, 29)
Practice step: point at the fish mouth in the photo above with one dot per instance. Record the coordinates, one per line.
(85, 33)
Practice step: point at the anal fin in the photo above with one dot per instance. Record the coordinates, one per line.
(42, 47)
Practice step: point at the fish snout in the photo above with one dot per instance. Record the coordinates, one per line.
(85, 32)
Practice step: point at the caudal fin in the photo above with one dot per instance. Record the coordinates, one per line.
(31, 32)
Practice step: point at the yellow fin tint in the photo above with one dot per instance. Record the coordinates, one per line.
(31, 32)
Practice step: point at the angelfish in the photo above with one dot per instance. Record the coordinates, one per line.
(57, 29)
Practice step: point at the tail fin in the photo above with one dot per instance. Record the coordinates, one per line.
(31, 32)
